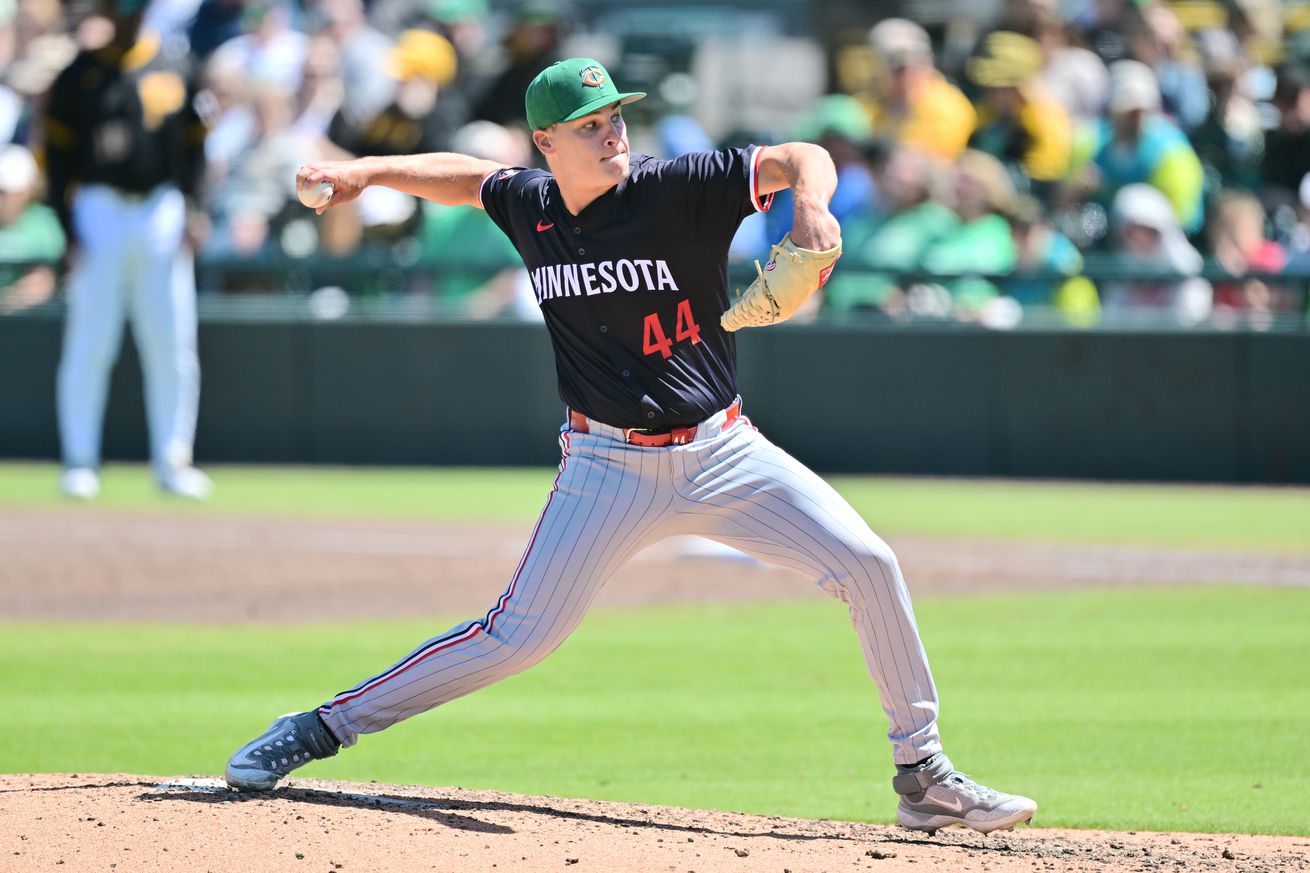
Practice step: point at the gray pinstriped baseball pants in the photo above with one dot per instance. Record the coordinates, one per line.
(611, 500)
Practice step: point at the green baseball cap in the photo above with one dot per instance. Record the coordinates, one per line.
(568, 90)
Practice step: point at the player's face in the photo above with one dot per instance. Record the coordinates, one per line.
(591, 151)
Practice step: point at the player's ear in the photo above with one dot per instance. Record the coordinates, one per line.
(543, 141)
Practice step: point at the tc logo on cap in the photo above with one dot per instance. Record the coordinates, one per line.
(593, 76)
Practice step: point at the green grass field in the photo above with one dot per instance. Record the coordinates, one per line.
(1267, 519)
(1181, 708)
(1138, 710)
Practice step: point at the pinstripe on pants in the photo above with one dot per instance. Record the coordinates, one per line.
(611, 500)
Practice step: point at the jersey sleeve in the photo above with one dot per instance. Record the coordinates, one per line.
(62, 137)
(510, 193)
(716, 191)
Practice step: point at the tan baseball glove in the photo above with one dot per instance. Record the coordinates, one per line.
(787, 281)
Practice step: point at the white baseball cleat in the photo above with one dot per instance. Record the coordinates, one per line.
(80, 483)
(186, 482)
(935, 795)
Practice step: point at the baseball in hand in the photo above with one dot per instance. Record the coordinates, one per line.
(315, 195)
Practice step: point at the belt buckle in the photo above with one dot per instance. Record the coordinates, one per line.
(628, 432)
(681, 439)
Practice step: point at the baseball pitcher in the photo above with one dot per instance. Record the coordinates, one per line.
(628, 257)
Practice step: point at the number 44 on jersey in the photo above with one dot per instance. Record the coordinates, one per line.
(654, 339)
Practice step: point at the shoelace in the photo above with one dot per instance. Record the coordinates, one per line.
(962, 782)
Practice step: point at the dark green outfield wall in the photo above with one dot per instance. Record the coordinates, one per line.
(1178, 406)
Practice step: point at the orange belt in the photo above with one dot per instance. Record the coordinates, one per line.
(637, 437)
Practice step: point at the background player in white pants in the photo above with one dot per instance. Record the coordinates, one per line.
(628, 255)
(124, 148)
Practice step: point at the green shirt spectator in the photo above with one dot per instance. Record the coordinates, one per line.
(881, 247)
(466, 253)
(31, 238)
(1138, 144)
(981, 244)
(894, 247)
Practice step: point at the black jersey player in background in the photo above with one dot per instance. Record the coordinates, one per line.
(124, 151)
(628, 255)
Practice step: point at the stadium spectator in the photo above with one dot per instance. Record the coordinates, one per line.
(464, 23)
(1287, 151)
(1139, 145)
(31, 240)
(531, 44)
(269, 49)
(417, 119)
(1237, 239)
(1039, 109)
(1105, 25)
(916, 106)
(1047, 268)
(1258, 24)
(364, 53)
(1230, 142)
(872, 274)
(1017, 121)
(1157, 40)
(322, 89)
(390, 17)
(256, 187)
(1074, 76)
(477, 272)
(223, 103)
(216, 22)
(11, 104)
(1294, 231)
(1150, 240)
(42, 48)
(841, 125)
(981, 242)
(171, 19)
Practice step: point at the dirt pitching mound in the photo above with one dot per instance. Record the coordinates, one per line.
(128, 823)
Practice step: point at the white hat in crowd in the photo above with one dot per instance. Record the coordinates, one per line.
(1147, 206)
(899, 41)
(18, 170)
(1133, 86)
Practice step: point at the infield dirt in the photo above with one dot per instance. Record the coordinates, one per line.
(128, 823)
(95, 565)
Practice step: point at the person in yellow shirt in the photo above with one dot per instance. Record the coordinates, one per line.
(1017, 121)
(915, 104)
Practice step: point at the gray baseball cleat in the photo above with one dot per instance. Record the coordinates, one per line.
(935, 795)
(292, 741)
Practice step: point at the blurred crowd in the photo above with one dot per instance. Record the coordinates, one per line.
(1111, 162)
(1164, 158)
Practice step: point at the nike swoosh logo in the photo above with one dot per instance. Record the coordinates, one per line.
(954, 804)
(541, 226)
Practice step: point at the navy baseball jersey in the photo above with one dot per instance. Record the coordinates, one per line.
(124, 120)
(633, 287)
